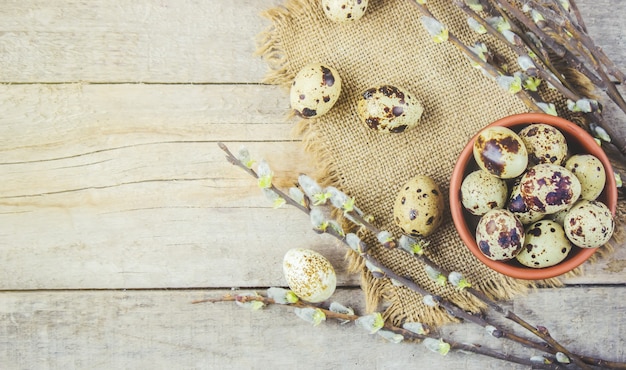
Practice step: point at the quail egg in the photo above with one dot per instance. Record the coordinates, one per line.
(545, 144)
(545, 245)
(590, 172)
(499, 235)
(418, 208)
(344, 10)
(518, 207)
(482, 192)
(500, 151)
(315, 90)
(309, 274)
(389, 109)
(589, 224)
(549, 188)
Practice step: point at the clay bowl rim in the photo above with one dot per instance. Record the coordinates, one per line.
(466, 158)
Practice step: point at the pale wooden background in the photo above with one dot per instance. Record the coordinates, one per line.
(117, 208)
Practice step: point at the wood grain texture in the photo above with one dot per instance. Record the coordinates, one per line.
(163, 330)
(131, 41)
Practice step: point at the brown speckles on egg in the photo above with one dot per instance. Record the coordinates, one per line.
(545, 144)
(481, 192)
(344, 10)
(549, 188)
(315, 90)
(416, 214)
(590, 173)
(589, 224)
(309, 274)
(390, 108)
(499, 235)
(545, 245)
(499, 151)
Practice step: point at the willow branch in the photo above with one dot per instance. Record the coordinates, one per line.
(542, 71)
(406, 334)
(577, 15)
(578, 39)
(490, 69)
(552, 345)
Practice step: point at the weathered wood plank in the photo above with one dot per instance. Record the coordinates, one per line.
(161, 329)
(131, 41)
(44, 122)
(146, 41)
(177, 247)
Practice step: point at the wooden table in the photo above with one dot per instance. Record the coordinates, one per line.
(117, 209)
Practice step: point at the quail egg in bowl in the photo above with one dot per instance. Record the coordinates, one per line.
(529, 152)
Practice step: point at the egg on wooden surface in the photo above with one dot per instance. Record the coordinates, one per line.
(389, 109)
(544, 143)
(500, 151)
(315, 90)
(309, 274)
(589, 224)
(519, 208)
(549, 188)
(482, 192)
(590, 172)
(418, 208)
(545, 245)
(499, 235)
(344, 10)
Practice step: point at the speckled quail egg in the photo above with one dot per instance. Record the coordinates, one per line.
(344, 10)
(309, 274)
(388, 108)
(545, 144)
(545, 245)
(315, 90)
(549, 188)
(519, 208)
(418, 208)
(482, 192)
(499, 235)
(589, 224)
(590, 172)
(500, 151)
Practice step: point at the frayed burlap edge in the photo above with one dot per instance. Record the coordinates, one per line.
(378, 291)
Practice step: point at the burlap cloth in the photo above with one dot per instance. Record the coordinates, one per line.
(389, 46)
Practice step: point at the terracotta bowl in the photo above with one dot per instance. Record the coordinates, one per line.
(579, 141)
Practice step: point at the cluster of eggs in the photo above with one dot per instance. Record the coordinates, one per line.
(317, 86)
(552, 203)
(385, 108)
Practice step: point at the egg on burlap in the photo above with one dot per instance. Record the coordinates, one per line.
(344, 10)
(419, 205)
(314, 90)
(389, 109)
